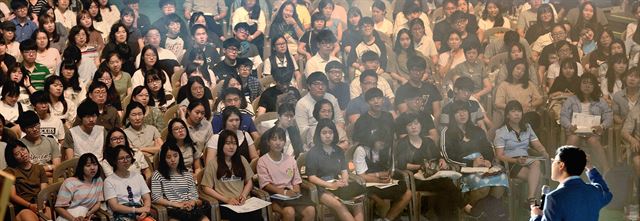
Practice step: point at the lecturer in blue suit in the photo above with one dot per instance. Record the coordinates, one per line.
(573, 199)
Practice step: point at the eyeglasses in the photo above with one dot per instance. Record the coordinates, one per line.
(124, 159)
(176, 129)
(116, 139)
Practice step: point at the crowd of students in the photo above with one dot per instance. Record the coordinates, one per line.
(165, 112)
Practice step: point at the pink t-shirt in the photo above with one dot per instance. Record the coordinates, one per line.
(282, 174)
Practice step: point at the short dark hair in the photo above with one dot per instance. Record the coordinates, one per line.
(162, 3)
(370, 56)
(367, 73)
(8, 153)
(16, 4)
(464, 83)
(326, 36)
(10, 88)
(317, 17)
(28, 45)
(38, 97)
(333, 65)
(574, 159)
(286, 107)
(195, 27)
(112, 155)
(416, 62)
(317, 76)
(322, 124)
(84, 159)
(366, 20)
(88, 108)
(27, 119)
(241, 25)
(373, 93)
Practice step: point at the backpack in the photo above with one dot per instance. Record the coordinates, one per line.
(490, 209)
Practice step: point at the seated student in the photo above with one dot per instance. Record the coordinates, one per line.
(474, 69)
(153, 116)
(371, 41)
(250, 84)
(465, 144)
(104, 75)
(194, 90)
(227, 178)
(273, 96)
(116, 137)
(50, 126)
(198, 68)
(30, 179)
(278, 174)
(59, 106)
(626, 100)
(374, 119)
(152, 37)
(126, 193)
(326, 162)
(512, 142)
(324, 109)
(231, 120)
(227, 67)
(588, 100)
(563, 87)
(36, 71)
(162, 99)
(179, 135)
(10, 46)
(45, 151)
(463, 87)
(372, 160)
(107, 115)
(432, 102)
(250, 47)
(371, 62)
(80, 196)
(413, 150)
(173, 186)
(232, 97)
(326, 42)
(151, 61)
(173, 40)
(201, 43)
(293, 141)
(234, 82)
(9, 105)
(518, 87)
(316, 82)
(142, 137)
(308, 44)
(359, 106)
(281, 58)
(337, 87)
(74, 92)
(199, 129)
(87, 137)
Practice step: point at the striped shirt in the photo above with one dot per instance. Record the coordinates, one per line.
(74, 193)
(180, 188)
(39, 73)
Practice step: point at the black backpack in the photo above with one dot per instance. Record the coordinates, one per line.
(490, 209)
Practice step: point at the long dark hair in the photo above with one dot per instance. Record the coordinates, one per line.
(595, 95)
(113, 98)
(237, 168)
(498, 20)
(79, 16)
(163, 167)
(581, 20)
(74, 81)
(453, 129)
(142, 65)
(515, 105)
(525, 77)
(274, 51)
(272, 133)
(107, 140)
(55, 36)
(194, 104)
(397, 47)
(188, 142)
(611, 75)
(255, 11)
(47, 83)
(83, 161)
(317, 140)
(137, 90)
(228, 112)
(153, 74)
(279, 19)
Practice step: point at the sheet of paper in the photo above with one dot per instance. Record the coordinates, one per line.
(479, 170)
(283, 197)
(250, 205)
(383, 185)
(584, 122)
(440, 174)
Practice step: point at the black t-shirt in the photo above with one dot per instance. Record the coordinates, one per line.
(222, 70)
(366, 124)
(325, 166)
(407, 153)
(426, 123)
(311, 44)
(428, 89)
(269, 98)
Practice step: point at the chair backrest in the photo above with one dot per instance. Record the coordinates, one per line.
(170, 114)
(266, 82)
(6, 183)
(48, 195)
(65, 169)
(264, 117)
(164, 133)
(497, 60)
(302, 164)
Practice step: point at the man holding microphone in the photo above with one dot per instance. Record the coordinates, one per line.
(573, 199)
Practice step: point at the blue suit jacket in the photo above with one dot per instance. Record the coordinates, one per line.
(576, 200)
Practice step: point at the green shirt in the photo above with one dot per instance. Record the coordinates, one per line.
(39, 73)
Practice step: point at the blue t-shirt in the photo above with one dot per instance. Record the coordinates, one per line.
(514, 145)
(246, 123)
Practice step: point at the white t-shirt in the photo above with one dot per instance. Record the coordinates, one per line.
(242, 135)
(118, 187)
(87, 143)
(9, 113)
(52, 127)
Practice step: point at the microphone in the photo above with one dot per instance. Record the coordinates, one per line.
(545, 190)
